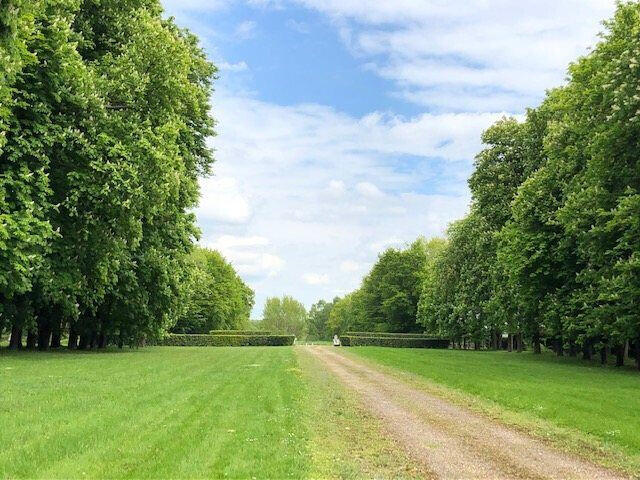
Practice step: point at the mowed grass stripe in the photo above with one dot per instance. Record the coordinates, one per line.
(152, 413)
(600, 403)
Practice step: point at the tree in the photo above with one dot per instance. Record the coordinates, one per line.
(105, 117)
(318, 320)
(390, 292)
(285, 316)
(217, 298)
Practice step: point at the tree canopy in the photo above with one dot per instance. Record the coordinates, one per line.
(105, 119)
(216, 299)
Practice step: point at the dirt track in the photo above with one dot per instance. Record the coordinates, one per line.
(448, 440)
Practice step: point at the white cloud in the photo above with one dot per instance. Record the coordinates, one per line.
(380, 246)
(245, 30)
(226, 242)
(300, 27)
(368, 189)
(315, 278)
(349, 266)
(248, 254)
(257, 264)
(337, 187)
(232, 67)
(319, 186)
(299, 166)
(221, 199)
(452, 54)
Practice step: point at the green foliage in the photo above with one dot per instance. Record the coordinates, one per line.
(387, 334)
(387, 300)
(318, 320)
(550, 249)
(216, 297)
(239, 332)
(104, 119)
(286, 316)
(219, 340)
(395, 342)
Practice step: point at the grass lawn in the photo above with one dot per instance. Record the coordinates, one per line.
(554, 397)
(183, 412)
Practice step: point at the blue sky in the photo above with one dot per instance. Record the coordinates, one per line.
(347, 126)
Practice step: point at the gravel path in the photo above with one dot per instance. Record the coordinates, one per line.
(449, 440)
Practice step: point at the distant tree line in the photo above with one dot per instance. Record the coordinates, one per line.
(104, 120)
(550, 251)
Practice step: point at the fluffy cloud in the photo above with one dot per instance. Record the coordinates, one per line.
(316, 278)
(328, 191)
(222, 200)
(306, 193)
(468, 56)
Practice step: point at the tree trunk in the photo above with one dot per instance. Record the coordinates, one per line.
(603, 355)
(620, 356)
(56, 334)
(510, 343)
(32, 340)
(572, 348)
(637, 352)
(44, 336)
(586, 350)
(84, 342)
(559, 347)
(72, 344)
(536, 343)
(102, 341)
(56, 338)
(520, 343)
(15, 343)
(93, 341)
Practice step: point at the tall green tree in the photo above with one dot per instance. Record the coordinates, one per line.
(285, 315)
(105, 117)
(217, 298)
(318, 320)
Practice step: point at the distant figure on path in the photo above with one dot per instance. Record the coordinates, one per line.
(336, 341)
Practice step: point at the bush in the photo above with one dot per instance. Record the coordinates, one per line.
(397, 342)
(199, 340)
(239, 332)
(385, 334)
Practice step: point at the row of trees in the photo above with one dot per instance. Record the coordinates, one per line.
(104, 118)
(287, 315)
(550, 251)
(387, 300)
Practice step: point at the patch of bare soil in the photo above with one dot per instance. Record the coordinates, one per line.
(451, 441)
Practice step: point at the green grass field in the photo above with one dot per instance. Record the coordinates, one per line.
(184, 412)
(600, 404)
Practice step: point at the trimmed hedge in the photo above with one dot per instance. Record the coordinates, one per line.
(385, 334)
(397, 342)
(239, 332)
(195, 340)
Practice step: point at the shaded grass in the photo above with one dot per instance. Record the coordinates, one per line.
(180, 412)
(587, 408)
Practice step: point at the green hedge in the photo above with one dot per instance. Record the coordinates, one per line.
(385, 334)
(239, 332)
(194, 340)
(398, 342)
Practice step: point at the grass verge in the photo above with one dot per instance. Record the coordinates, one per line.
(582, 408)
